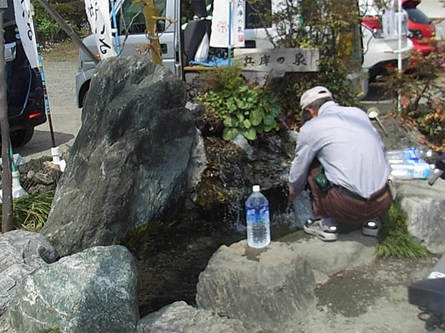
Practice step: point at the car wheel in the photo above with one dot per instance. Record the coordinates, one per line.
(22, 136)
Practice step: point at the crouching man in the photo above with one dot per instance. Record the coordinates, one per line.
(340, 156)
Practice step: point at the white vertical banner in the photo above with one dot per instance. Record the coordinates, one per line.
(228, 15)
(23, 18)
(98, 13)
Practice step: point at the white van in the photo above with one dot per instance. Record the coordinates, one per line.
(179, 45)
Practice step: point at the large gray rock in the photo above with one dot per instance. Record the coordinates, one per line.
(21, 253)
(327, 258)
(273, 289)
(269, 290)
(130, 158)
(179, 317)
(398, 137)
(424, 205)
(91, 291)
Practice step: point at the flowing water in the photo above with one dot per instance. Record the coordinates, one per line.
(169, 263)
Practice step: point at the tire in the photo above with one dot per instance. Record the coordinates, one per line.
(22, 136)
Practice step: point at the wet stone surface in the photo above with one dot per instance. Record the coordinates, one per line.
(351, 293)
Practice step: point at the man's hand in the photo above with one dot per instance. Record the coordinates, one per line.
(291, 193)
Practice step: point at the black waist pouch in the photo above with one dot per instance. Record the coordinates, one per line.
(320, 179)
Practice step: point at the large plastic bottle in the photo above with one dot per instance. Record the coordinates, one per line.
(411, 170)
(257, 216)
(401, 156)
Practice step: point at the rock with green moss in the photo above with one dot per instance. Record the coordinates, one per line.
(91, 291)
(129, 163)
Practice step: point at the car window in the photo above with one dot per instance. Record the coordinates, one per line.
(258, 14)
(131, 17)
(418, 16)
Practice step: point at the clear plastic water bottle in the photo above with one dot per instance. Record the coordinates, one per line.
(411, 170)
(257, 216)
(401, 156)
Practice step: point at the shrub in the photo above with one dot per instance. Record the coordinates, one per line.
(45, 26)
(245, 109)
(48, 30)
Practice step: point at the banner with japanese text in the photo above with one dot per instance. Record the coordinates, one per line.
(98, 14)
(228, 14)
(23, 18)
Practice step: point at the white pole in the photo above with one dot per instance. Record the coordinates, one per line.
(230, 31)
(114, 29)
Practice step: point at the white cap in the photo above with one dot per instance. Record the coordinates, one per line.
(314, 94)
(256, 188)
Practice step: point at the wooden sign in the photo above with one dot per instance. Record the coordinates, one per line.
(279, 59)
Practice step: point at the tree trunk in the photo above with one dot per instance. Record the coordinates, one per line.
(7, 224)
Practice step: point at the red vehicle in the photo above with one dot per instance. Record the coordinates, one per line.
(420, 27)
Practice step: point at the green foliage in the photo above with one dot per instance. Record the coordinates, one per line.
(333, 27)
(244, 109)
(31, 212)
(47, 29)
(395, 240)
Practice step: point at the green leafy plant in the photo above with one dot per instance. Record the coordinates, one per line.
(245, 109)
(48, 30)
(46, 27)
(31, 212)
(395, 240)
(333, 27)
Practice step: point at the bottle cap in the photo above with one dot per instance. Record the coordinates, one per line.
(256, 188)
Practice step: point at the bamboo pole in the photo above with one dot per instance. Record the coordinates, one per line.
(7, 223)
(150, 24)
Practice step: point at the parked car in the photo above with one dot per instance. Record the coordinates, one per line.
(420, 27)
(25, 95)
(379, 53)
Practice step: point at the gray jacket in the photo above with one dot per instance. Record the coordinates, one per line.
(347, 145)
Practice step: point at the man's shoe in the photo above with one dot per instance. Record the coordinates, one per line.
(371, 228)
(322, 229)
